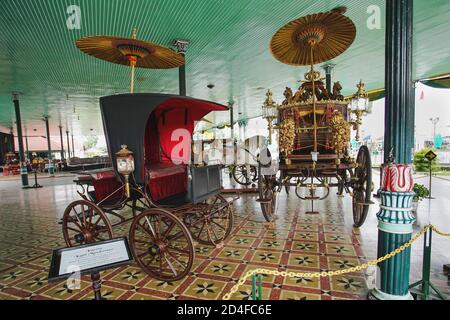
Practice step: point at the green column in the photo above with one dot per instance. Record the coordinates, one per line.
(23, 165)
(51, 168)
(395, 225)
(400, 92)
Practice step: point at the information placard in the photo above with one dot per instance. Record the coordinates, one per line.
(89, 258)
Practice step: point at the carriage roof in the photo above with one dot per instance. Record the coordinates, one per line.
(126, 121)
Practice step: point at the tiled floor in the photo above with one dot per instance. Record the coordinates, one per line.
(29, 230)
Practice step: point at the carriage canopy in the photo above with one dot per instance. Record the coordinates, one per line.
(152, 126)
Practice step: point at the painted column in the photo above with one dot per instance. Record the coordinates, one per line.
(400, 91)
(28, 150)
(395, 228)
(328, 69)
(73, 147)
(68, 146)
(182, 45)
(23, 165)
(51, 168)
(62, 143)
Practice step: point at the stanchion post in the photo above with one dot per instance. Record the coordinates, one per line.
(256, 287)
(425, 283)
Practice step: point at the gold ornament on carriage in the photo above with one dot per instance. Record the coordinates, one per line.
(307, 41)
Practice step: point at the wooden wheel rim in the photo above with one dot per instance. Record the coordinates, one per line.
(362, 192)
(266, 192)
(161, 248)
(205, 231)
(81, 224)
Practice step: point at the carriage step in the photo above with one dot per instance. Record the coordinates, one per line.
(330, 173)
(312, 198)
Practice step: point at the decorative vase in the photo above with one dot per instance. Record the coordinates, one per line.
(397, 178)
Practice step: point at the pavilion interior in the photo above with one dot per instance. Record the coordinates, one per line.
(228, 62)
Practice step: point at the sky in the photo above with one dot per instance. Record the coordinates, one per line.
(430, 103)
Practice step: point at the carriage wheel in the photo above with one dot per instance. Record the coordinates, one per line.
(162, 245)
(211, 222)
(362, 187)
(344, 178)
(244, 175)
(268, 197)
(84, 222)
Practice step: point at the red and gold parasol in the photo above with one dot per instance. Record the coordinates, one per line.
(132, 52)
(313, 39)
(329, 34)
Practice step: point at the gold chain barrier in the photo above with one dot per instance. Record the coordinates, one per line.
(361, 267)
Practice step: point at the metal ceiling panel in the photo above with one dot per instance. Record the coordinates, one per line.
(230, 49)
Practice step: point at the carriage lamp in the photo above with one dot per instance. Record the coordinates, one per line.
(125, 166)
(359, 106)
(270, 113)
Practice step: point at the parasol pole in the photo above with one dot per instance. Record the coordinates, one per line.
(133, 65)
(133, 61)
(314, 94)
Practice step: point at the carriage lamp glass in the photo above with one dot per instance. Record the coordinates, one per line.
(359, 106)
(270, 113)
(125, 166)
(360, 100)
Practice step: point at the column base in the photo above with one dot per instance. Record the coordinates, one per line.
(377, 294)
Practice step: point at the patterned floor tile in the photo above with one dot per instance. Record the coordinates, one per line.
(304, 260)
(245, 293)
(205, 289)
(295, 242)
(294, 295)
(222, 269)
(309, 247)
(340, 249)
(232, 254)
(267, 257)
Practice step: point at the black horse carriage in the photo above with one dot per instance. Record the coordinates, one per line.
(173, 203)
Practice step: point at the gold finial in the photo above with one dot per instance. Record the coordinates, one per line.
(134, 35)
(361, 90)
(269, 100)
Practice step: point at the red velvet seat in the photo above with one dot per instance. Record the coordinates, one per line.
(166, 180)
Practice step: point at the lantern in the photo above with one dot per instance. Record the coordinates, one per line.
(270, 113)
(359, 106)
(125, 166)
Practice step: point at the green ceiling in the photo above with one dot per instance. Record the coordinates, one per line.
(230, 48)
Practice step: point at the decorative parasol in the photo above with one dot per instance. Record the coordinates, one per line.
(132, 52)
(313, 39)
(328, 33)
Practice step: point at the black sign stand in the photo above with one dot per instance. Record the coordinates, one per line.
(54, 275)
(430, 155)
(97, 286)
(36, 184)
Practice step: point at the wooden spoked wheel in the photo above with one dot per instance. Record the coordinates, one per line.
(162, 245)
(84, 222)
(344, 178)
(245, 174)
(211, 222)
(268, 197)
(362, 187)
